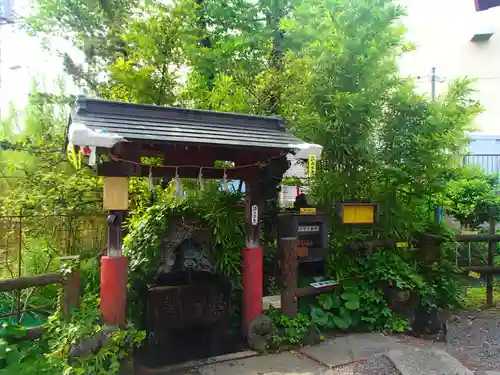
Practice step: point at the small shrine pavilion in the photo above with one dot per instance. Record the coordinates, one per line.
(115, 137)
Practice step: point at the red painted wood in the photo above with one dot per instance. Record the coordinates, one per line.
(252, 285)
(114, 289)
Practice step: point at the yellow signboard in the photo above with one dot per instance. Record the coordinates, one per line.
(311, 166)
(115, 196)
(358, 214)
(308, 211)
(402, 244)
(475, 275)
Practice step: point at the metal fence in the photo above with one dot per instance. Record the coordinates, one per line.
(489, 163)
(32, 245)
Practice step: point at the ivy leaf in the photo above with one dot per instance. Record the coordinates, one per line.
(319, 316)
(336, 301)
(352, 304)
(340, 323)
(12, 355)
(331, 320)
(345, 314)
(326, 301)
(352, 300)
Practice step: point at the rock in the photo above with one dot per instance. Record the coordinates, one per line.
(260, 331)
(428, 322)
(410, 361)
(92, 344)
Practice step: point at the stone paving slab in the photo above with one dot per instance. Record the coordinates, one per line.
(346, 349)
(366, 345)
(331, 353)
(276, 364)
(354, 354)
(415, 361)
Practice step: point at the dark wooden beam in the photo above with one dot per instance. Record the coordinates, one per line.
(477, 237)
(9, 285)
(493, 270)
(114, 244)
(492, 248)
(252, 199)
(197, 154)
(311, 291)
(288, 252)
(71, 286)
(123, 169)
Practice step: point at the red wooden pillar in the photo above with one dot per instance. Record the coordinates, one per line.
(114, 274)
(252, 257)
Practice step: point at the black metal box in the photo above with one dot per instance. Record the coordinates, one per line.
(311, 232)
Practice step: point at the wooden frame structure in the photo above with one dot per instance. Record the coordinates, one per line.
(189, 142)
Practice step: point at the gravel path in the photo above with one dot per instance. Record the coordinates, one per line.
(474, 339)
(377, 365)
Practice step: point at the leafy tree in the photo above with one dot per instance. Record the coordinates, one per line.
(338, 83)
(469, 195)
(381, 140)
(94, 27)
(149, 70)
(39, 177)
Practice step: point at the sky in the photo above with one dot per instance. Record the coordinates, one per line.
(23, 57)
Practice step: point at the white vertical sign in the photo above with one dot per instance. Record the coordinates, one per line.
(255, 214)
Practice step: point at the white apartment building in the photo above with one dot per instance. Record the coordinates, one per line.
(484, 151)
(458, 41)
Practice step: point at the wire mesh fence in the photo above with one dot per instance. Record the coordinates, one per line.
(32, 245)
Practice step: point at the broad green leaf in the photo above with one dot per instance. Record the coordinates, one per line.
(326, 301)
(319, 316)
(340, 323)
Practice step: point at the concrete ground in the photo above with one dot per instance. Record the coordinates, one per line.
(355, 354)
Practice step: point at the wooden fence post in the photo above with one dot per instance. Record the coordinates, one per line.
(70, 269)
(491, 256)
(288, 252)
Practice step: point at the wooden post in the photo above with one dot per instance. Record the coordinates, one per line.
(70, 270)
(288, 252)
(114, 274)
(252, 214)
(252, 256)
(114, 245)
(491, 256)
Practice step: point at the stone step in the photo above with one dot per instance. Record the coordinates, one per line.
(414, 361)
(351, 348)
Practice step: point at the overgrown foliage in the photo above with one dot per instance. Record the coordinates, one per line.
(36, 176)
(50, 354)
(48, 209)
(220, 212)
(290, 331)
(469, 196)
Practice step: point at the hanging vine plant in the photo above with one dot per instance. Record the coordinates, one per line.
(221, 213)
